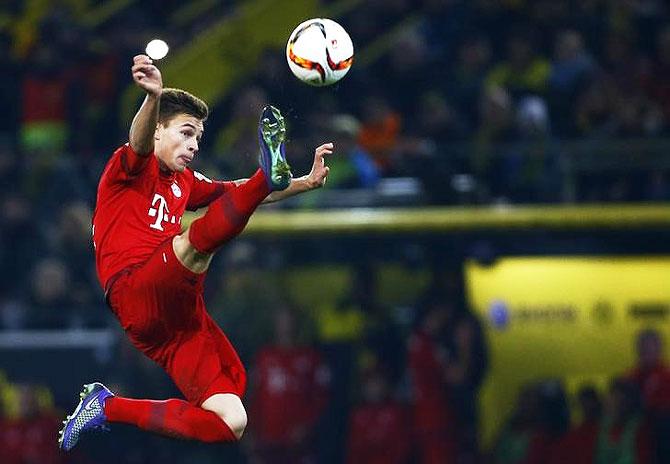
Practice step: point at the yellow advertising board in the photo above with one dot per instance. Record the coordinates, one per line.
(568, 318)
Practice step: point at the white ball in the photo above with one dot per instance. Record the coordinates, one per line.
(319, 52)
(157, 49)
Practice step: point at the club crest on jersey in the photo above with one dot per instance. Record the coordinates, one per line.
(176, 190)
(160, 211)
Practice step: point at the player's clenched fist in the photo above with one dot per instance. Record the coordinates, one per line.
(146, 75)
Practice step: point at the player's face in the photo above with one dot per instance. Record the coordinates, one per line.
(177, 142)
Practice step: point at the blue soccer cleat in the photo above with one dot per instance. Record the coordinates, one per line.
(271, 134)
(89, 415)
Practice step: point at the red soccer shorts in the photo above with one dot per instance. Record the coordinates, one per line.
(160, 306)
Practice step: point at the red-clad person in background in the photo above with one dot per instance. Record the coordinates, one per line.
(525, 438)
(433, 416)
(378, 425)
(291, 393)
(578, 445)
(651, 375)
(28, 438)
(624, 435)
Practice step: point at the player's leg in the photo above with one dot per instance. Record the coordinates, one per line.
(176, 418)
(208, 371)
(205, 367)
(227, 216)
(159, 306)
(221, 419)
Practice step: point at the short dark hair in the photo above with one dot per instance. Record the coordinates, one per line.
(176, 101)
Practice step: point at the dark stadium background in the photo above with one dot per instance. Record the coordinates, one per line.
(466, 131)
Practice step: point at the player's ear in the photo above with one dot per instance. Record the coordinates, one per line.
(157, 132)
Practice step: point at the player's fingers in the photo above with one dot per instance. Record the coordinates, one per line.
(322, 150)
(142, 59)
(145, 68)
(325, 148)
(319, 157)
(139, 75)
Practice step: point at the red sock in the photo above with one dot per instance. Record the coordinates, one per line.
(227, 216)
(174, 418)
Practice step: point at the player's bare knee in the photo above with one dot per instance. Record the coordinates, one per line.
(237, 422)
(230, 410)
(235, 419)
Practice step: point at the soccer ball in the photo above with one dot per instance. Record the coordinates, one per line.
(319, 52)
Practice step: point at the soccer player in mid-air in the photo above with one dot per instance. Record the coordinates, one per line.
(153, 274)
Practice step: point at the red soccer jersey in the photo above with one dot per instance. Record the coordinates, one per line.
(379, 434)
(139, 207)
(292, 392)
(654, 384)
(430, 391)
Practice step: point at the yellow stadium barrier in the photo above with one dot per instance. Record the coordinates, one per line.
(456, 219)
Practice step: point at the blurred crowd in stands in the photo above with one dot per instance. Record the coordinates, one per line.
(630, 422)
(478, 101)
(467, 101)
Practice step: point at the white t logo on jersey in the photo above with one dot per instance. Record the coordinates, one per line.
(159, 210)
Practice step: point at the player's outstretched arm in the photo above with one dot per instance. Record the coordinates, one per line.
(314, 180)
(148, 78)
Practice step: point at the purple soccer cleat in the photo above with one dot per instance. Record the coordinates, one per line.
(271, 134)
(89, 415)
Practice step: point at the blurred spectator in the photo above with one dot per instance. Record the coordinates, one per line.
(532, 168)
(651, 375)
(468, 75)
(578, 445)
(468, 360)
(236, 150)
(291, 383)
(595, 107)
(9, 90)
(524, 71)
(658, 187)
(21, 238)
(45, 91)
(435, 124)
(408, 62)
(352, 167)
(378, 426)
(621, 61)
(434, 416)
(341, 326)
(72, 243)
(571, 72)
(492, 139)
(624, 436)
(380, 132)
(28, 438)
(656, 81)
(242, 286)
(50, 298)
(524, 439)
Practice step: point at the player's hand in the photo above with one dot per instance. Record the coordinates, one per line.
(147, 76)
(319, 173)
